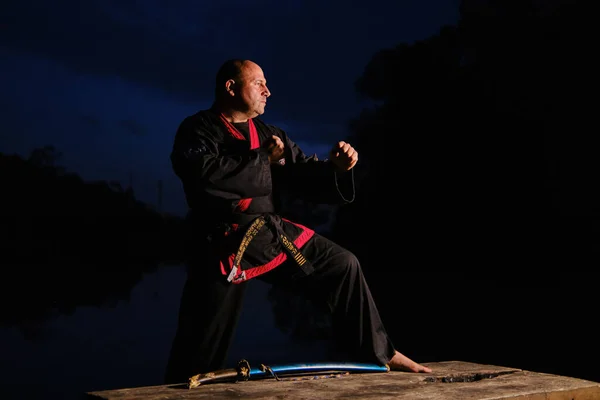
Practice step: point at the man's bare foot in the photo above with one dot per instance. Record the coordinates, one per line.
(402, 363)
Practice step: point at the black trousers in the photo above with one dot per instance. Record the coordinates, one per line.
(210, 308)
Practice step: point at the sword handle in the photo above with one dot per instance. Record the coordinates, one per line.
(231, 375)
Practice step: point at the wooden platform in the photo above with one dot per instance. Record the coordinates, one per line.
(450, 380)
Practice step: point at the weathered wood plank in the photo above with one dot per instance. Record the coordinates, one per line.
(451, 380)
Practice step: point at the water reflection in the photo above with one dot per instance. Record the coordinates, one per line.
(62, 336)
(125, 344)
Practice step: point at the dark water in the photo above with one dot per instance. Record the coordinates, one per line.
(101, 348)
(543, 328)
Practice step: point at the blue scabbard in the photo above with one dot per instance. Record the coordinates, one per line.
(244, 372)
(288, 369)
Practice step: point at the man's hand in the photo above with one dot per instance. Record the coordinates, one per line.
(343, 156)
(274, 146)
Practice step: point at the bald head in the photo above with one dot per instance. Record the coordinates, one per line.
(229, 70)
(241, 87)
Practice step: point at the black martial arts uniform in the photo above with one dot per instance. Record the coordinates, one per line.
(229, 185)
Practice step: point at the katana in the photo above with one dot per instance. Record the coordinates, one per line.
(244, 372)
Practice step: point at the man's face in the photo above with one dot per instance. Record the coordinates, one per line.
(252, 90)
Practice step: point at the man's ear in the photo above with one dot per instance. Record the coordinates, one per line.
(230, 87)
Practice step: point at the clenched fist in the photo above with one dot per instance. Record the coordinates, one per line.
(274, 147)
(343, 156)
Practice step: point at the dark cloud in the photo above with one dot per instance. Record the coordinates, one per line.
(132, 127)
(311, 51)
(91, 121)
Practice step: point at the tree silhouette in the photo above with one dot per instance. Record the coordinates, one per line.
(485, 138)
(481, 186)
(65, 243)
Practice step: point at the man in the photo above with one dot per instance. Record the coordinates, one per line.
(233, 168)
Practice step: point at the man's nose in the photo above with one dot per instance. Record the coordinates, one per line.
(267, 92)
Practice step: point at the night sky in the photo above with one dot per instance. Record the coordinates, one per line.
(108, 82)
(494, 220)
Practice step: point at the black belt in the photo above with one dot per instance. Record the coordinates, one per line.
(288, 245)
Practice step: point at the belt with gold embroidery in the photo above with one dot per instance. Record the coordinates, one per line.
(288, 245)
